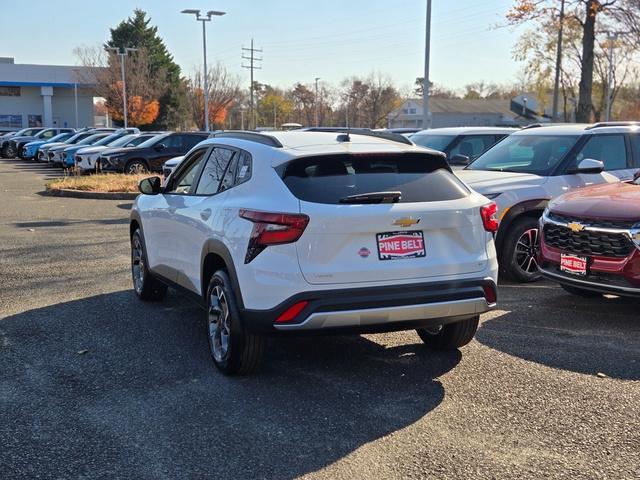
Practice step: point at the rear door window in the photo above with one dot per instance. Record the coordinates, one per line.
(331, 179)
(214, 172)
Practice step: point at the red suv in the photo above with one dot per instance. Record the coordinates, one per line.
(590, 241)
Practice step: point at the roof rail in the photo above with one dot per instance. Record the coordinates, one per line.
(550, 124)
(613, 124)
(249, 136)
(394, 137)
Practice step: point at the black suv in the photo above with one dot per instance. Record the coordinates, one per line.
(150, 155)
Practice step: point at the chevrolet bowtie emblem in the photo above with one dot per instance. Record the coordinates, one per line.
(575, 227)
(406, 222)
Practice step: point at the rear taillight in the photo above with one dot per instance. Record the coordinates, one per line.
(489, 220)
(272, 229)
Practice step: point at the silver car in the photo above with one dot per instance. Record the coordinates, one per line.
(530, 167)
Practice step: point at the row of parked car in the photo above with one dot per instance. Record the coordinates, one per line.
(521, 170)
(125, 150)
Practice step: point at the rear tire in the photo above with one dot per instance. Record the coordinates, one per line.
(450, 336)
(146, 286)
(519, 256)
(234, 350)
(580, 292)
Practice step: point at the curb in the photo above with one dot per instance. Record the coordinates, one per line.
(92, 195)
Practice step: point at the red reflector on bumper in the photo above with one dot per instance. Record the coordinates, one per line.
(490, 293)
(292, 312)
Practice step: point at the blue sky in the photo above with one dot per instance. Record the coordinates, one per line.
(301, 39)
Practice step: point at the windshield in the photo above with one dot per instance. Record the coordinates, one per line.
(119, 142)
(537, 154)
(139, 140)
(58, 138)
(435, 142)
(90, 140)
(108, 139)
(152, 141)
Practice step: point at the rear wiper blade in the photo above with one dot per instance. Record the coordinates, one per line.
(373, 197)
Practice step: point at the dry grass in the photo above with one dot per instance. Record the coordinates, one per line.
(116, 182)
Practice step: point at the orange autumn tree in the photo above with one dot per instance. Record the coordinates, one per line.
(140, 110)
(144, 86)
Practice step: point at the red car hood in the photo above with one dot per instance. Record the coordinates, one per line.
(613, 201)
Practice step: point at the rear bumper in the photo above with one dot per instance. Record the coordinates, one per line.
(376, 309)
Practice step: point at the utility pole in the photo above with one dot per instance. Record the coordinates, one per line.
(199, 18)
(315, 101)
(252, 66)
(75, 92)
(426, 114)
(556, 85)
(611, 38)
(123, 54)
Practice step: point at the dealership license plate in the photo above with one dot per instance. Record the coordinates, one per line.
(399, 245)
(573, 264)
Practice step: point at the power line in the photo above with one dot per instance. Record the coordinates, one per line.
(252, 66)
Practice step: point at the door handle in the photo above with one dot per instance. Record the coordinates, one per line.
(205, 214)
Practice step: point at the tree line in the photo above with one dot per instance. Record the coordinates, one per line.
(160, 96)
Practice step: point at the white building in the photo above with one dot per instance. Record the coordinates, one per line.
(43, 95)
(457, 112)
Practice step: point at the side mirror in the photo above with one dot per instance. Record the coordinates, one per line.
(150, 186)
(589, 165)
(159, 148)
(459, 160)
(636, 175)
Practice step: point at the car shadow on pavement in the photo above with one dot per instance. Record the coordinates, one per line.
(556, 329)
(111, 386)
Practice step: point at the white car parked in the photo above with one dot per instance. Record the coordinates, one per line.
(86, 158)
(312, 231)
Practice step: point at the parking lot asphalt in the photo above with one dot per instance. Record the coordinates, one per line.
(96, 384)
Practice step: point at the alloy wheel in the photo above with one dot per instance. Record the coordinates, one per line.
(219, 324)
(526, 253)
(137, 265)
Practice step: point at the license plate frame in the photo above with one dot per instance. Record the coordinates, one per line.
(574, 264)
(390, 245)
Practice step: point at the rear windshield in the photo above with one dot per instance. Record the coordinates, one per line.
(330, 179)
(436, 142)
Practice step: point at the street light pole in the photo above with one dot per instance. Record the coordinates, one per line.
(75, 93)
(426, 115)
(316, 101)
(199, 18)
(123, 54)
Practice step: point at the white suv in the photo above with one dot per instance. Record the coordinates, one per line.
(314, 231)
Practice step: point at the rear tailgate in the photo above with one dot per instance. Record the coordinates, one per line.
(434, 230)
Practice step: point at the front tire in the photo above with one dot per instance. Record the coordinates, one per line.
(450, 336)
(234, 350)
(146, 286)
(519, 258)
(580, 292)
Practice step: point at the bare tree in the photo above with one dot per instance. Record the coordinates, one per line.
(224, 90)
